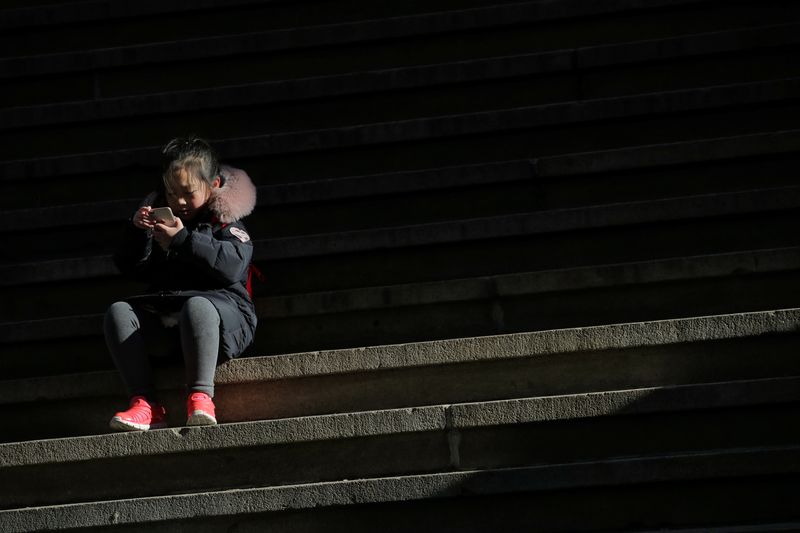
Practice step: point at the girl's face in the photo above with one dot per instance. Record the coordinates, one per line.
(187, 195)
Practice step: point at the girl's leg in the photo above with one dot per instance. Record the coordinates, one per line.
(130, 335)
(199, 325)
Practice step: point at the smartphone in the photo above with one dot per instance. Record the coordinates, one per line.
(163, 215)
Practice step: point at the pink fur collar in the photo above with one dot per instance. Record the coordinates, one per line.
(236, 198)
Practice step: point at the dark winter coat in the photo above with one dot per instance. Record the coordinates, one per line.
(210, 257)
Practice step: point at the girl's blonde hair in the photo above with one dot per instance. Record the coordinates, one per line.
(194, 155)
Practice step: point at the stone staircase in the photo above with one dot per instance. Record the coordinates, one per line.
(529, 265)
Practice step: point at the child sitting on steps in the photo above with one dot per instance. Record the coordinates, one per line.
(197, 269)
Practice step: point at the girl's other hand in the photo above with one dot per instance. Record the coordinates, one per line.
(142, 220)
(164, 234)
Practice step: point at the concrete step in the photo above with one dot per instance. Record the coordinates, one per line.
(45, 13)
(692, 101)
(471, 436)
(313, 35)
(638, 53)
(692, 412)
(672, 288)
(539, 131)
(88, 286)
(602, 294)
(768, 262)
(205, 47)
(470, 500)
(318, 50)
(670, 211)
(440, 90)
(638, 173)
(454, 193)
(756, 345)
(737, 528)
(74, 26)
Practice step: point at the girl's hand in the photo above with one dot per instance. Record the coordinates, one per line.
(142, 220)
(164, 234)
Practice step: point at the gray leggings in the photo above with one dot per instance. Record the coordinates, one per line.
(133, 335)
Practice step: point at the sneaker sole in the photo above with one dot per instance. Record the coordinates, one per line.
(201, 418)
(123, 425)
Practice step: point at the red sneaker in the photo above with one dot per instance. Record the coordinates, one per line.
(200, 410)
(141, 416)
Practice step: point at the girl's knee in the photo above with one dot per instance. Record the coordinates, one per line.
(119, 311)
(198, 309)
(120, 321)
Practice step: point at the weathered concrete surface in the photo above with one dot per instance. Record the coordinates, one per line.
(292, 193)
(736, 347)
(528, 283)
(397, 27)
(626, 402)
(428, 128)
(559, 220)
(466, 350)
(287, 90)
(411, 324)
(751, 289)
(398, 421)
(632, 471)
(706, 43)
(532, 223)
(493, 289)
(417, 76)
(536, 344)
(394, 442)
(669, 154)
(55, 14)
(442, 178)
(241, 435)
(334, 34)
(734, 357)
(228, 456)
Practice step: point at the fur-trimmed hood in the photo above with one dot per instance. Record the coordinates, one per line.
(235, 198)
(232, 201)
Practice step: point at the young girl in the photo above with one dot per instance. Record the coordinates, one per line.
(197, 267)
